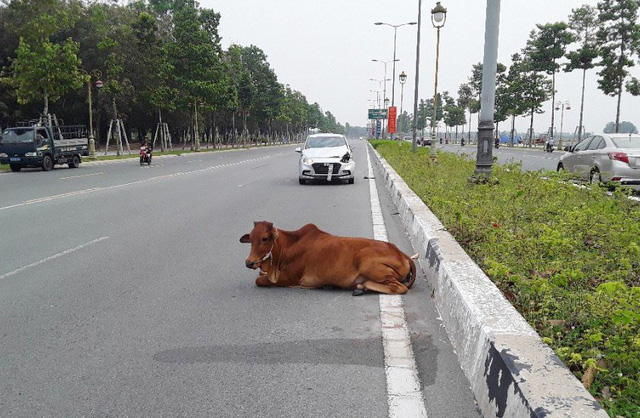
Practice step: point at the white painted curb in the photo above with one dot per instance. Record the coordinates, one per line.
(511, 371)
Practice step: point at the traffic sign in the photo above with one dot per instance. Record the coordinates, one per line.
(377, 113)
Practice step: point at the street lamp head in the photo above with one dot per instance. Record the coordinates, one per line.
(438, 15)
(379, 23)
(403, 77)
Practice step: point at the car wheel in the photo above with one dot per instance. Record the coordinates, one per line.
(14, 168)
(560, 167)
(594, 177)
(75, 162)
(302, 181)
(351, 181)
(47, 163)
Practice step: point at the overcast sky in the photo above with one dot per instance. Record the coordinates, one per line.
(323, 48)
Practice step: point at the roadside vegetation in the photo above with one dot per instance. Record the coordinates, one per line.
(567, 258)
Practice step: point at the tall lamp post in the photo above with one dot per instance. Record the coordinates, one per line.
(395, 36)
(438, 18)
(97, 74)
(403, 79)
(484, 158)
(414, 125)
(384, 94)
(562, 105)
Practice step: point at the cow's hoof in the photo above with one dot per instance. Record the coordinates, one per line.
(357, 292)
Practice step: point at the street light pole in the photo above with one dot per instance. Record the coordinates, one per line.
(403, 79)
(562, 105)
(438, 18)
(415, 92)
(395, 35)
(484, 158)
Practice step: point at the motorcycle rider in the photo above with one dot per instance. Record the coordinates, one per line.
(496, 142)
(549, 145)
(146, 148)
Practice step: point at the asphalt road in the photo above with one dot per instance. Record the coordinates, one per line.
(532, 159)
(123, 292)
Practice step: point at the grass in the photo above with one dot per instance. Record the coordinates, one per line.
(567, 258)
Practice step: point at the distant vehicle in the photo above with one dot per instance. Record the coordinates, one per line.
(605, 158)
(548, 146)
(43, 146)
(326, 157)
(145, 154)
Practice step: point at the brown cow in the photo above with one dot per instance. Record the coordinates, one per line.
(312, 258)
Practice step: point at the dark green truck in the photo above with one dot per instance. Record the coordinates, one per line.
(43, 146)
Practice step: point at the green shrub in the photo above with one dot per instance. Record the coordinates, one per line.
(567, 258)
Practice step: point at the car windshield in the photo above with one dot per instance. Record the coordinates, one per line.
(325, 142)
(19, 135)
(631, 141)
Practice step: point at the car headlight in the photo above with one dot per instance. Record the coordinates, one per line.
(306, 160)
(3, 155)
(30, 154)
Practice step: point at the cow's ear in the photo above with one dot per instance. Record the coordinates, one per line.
(269, 225)
(245, 239)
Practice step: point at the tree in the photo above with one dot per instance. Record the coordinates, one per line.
(582, 24)
(453, 114)
(624, 128)
(532, 87)
(544, 47)
(465, 101)
(512, 97)
(45, 68)
(618, 36)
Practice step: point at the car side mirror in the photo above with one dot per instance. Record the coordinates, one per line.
(298, 150)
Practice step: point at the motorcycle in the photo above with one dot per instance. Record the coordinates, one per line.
(496, 143)
(145, 155)
(549, 146)
(462, 142)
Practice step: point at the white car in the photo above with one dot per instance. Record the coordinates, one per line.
(605, 158)
(326, 157)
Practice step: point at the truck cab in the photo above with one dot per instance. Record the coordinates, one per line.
(43, 146)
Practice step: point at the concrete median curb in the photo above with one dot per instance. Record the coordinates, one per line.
(511, 371)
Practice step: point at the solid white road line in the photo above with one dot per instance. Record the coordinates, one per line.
(404, 394)
(53, 257)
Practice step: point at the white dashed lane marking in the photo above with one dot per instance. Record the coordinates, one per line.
(97, 189)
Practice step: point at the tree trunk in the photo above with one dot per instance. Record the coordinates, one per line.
(46, 104)
(531, 128)
(553, 102)
(513, 128)
(584, 75)
(469, 125)
(618, 110)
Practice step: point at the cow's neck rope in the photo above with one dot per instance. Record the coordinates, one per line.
(269, 255)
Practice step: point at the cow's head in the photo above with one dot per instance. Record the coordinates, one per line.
(262, 238)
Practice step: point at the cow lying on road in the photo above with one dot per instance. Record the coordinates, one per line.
(312, 258)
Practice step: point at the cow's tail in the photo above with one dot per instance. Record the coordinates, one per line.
(411, 276)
